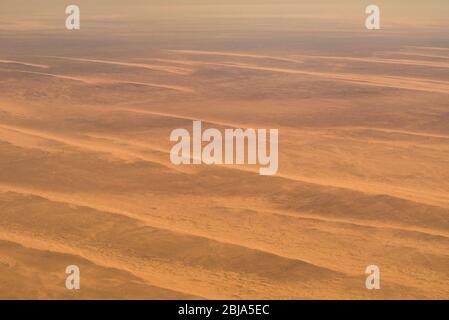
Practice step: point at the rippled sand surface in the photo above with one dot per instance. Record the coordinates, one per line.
(86, 178)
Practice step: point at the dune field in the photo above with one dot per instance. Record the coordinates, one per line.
(86, 177)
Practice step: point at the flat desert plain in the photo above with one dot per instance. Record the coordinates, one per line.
(85, 171)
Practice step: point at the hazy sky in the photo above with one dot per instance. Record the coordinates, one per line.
(402, 9)
(408, 16)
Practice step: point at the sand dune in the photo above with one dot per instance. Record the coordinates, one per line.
(434, 198)
(28, 64)
(133, 151)
(168, 69)
(154, 85)
(226, 262)
(416, 54)
(420, 63)
(396, 82)
(178, 116)
(163, 275)
(16, 246)
(93, 80)
(411, 133)
(234, 54)
(430, 48)
(378, 81)
(58, 76)
(303, 57)
(91, 145)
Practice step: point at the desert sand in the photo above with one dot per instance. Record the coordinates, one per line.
(86, 178)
